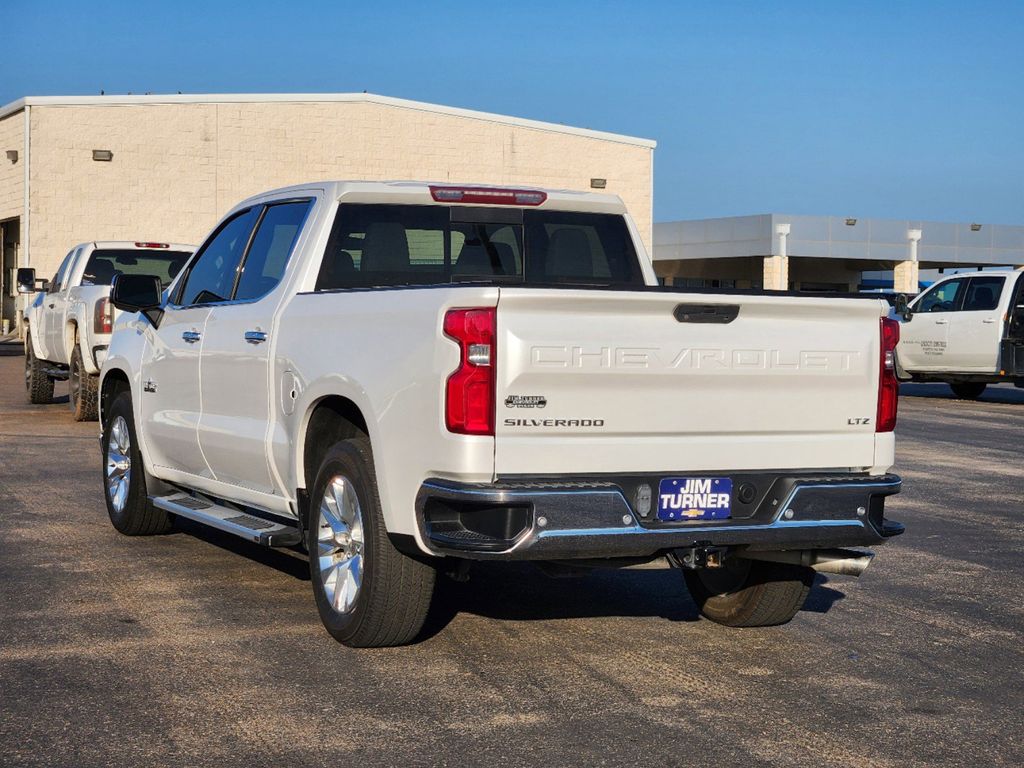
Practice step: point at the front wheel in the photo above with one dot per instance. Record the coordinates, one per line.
(750, 593)
(38, 386)
(968, 390)
(124, 479)
(368, 594)
(84, 389)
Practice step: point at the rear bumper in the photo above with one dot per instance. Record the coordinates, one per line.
(547, 519)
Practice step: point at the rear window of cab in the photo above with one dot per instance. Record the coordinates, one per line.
(376, 245)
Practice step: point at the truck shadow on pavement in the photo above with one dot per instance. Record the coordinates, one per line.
(994, 393)
(289, 562)
(521, 592)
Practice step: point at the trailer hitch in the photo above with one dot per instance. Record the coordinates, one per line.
(698, 556)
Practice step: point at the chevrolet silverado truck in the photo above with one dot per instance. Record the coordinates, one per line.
(402, 378)
(67, 325)
(966, 330)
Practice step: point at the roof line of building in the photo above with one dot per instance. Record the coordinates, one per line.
(308, 98)
(861, 220)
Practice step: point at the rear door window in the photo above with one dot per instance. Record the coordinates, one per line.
(271, 247)
(983, 293)
(389, 245)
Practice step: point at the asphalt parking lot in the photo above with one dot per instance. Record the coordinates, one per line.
(197, 649)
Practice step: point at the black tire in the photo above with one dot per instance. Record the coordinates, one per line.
(84, 389)
(391, 603)
(968, 390)
(38, 386)
(137, 517)
(750, 593)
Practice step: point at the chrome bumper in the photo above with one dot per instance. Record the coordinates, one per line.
(550, 520)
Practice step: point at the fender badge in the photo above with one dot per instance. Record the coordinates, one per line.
(525, 401)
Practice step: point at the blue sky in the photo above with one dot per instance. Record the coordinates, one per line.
(901, 109)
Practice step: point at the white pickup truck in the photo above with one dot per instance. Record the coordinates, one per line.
(67, 325)
(404, 377)
(966, 330)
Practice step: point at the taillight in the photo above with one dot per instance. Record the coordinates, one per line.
(103, 316)
(152, 245)
(469, 393)
(888, 384)
(488, 195)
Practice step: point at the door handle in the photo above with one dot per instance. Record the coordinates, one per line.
(255, 337)
(941, 322)
(191, 336)
(989, 320)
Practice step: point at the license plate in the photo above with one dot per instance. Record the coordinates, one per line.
(695, 498)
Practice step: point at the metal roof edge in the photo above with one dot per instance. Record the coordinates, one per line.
(271, 98)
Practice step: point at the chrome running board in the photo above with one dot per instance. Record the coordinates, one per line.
(256, 529)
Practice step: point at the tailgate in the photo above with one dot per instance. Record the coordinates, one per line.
(593, 381)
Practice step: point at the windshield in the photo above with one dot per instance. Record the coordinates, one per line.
(105, 263)
(381, 245)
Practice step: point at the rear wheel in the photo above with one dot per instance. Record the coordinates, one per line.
(38, 386)
(124, 480)
(968, 390)
(367, 592)
(750, 593)
(83, 387)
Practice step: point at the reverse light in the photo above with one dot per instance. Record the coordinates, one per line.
(487, 195)
(469, 392)
(103, 316)
(888, 384)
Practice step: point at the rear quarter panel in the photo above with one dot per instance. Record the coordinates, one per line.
(385, 351)
(82, 301)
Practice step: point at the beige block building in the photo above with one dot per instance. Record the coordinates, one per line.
(165, 168)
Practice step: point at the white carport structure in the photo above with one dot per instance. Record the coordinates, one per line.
(780, 251)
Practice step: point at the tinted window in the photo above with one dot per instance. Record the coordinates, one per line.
(385, 245)
(584, 248)
(62, 272)
(983, 293)
(212, 275)
(105, 263)
(271, 246)
(941, 298)
(381, 245)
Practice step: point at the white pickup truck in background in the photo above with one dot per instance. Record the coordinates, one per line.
(966, 330)
(403, 377)
(67, 325)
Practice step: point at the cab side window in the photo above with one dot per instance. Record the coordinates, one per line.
(62, 273)
(271, 247)
(211, 276)
(941, 298)
(983, 293)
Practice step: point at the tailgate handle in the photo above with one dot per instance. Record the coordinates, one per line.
(706, 313)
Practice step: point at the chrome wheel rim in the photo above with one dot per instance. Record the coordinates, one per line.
(340, 544)
(119, 464)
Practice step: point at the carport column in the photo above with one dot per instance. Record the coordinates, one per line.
(776, 268)
(905, 275)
